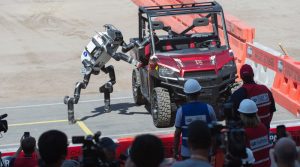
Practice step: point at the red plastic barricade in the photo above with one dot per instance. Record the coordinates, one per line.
(239, 49)
(286, 87)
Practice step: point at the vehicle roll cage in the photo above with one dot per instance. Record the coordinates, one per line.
(177, 9)
(147, 12)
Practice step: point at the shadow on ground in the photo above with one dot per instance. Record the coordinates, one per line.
(122, 108)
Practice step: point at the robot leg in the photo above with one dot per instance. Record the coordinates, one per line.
(70, 101)
(107, 88)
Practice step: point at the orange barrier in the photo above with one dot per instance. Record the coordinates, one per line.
(286, 87)
(263, 56)
(239, 29)
(144, 3)
(239, 49)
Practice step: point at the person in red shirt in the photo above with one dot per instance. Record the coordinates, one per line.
(30, 157)
(260, 94)
(257, 135)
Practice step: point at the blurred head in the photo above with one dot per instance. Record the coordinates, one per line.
(109, 148)
(285, 152)
(199, 136)
(147, 151)
(53, 146)
(192, 89)
(250, 121)
(246, 73)
(28, 145)
(248, 113)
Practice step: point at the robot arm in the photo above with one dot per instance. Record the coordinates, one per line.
(128, 59)
(131, 45)
(128, 47)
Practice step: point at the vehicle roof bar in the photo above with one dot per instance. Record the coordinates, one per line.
(176, 9)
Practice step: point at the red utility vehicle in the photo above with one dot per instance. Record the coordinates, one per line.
(185, 41)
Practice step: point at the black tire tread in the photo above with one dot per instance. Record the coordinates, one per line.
(139, 98)
(164, 118)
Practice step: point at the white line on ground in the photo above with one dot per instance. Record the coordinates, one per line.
(289, 124)
(54, 104)
(137, 133)
(286, 120)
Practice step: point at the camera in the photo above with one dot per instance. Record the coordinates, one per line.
(3, 123)
(231, 140)
(280, 133)
(92, 151)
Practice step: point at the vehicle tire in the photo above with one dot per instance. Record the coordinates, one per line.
(136, 90)
(161, 108)
(173, 113)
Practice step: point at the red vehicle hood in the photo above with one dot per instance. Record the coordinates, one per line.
(196, 62)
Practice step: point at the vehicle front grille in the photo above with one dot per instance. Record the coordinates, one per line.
(199, 74)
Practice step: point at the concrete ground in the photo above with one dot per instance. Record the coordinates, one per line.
(275, 21)
(41, 42)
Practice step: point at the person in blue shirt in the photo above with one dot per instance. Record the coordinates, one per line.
(199, 140)
(189, 112)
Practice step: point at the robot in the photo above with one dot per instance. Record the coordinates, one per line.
(96, 54)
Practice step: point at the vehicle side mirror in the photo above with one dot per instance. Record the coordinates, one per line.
(157, 25)
(200, 22)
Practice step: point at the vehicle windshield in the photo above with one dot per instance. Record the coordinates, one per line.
(185, 32)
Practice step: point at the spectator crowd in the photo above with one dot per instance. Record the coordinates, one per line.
(253, 106)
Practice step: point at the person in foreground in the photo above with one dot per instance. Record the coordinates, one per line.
(53, 147)
(257, 135)
(189, 112)
(199, 142)
(31, 155)
(109, 149)
(146, 151)
(285, 153)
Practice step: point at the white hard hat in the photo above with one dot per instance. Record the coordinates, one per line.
(191, 86)
(250, 158)
(248, 106)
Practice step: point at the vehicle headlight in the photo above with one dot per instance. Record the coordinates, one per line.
(229, 64)
(166, 72)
